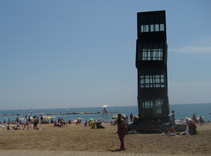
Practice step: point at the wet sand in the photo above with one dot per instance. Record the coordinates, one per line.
(78, 138)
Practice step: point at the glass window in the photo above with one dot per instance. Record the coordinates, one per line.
(152, 51)
(149, 56)
(162, 27)
(156, 27)
(152, 78)
(146, 28)
(142, 28)
(152, 27)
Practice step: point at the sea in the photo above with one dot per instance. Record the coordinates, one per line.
(181, 111)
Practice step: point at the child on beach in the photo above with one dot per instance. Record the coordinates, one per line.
(8, 126)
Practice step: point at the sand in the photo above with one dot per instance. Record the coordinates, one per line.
(78, 138)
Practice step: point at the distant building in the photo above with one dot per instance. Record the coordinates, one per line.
(151, 63)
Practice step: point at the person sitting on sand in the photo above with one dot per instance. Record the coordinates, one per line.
(55, 123)
(86, 124)
(78, 121)
(8, 126)
(186, 132)
(201, 120)
(98, 124)
(15, 128)
(192, 128)
(171, 131)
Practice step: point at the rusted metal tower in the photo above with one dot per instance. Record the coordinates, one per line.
(151, 63)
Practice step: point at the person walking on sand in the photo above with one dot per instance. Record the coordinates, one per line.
(122, 130)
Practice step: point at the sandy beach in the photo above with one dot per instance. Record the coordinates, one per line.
(78, 138)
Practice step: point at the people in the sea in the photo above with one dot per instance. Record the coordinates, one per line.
(122, 130)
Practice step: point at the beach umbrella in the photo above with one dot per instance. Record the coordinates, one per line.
(53, 117)
(188, 118)
(44, 117)
(48, 117)
(115, 117)
(91, 119)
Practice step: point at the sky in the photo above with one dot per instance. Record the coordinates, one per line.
(59, 54)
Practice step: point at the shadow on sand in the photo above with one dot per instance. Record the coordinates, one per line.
(115, 150)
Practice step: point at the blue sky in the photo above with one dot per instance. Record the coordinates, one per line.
(70, 53)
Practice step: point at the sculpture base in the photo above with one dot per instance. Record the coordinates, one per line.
(154, 128)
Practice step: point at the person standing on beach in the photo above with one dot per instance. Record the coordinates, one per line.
(131, 117)
(194, 118)
(26, 123)
(172, 119)
(35, 122)
(122, 130)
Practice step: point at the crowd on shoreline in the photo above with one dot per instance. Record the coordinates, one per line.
(32, 122)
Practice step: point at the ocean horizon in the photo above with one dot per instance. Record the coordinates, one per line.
(181, 111)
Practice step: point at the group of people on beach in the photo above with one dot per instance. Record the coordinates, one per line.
(191, 126)
(199, 120)
(26, 123)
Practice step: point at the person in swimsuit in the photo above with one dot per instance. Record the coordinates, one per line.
(35, 122)
(122, 130)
